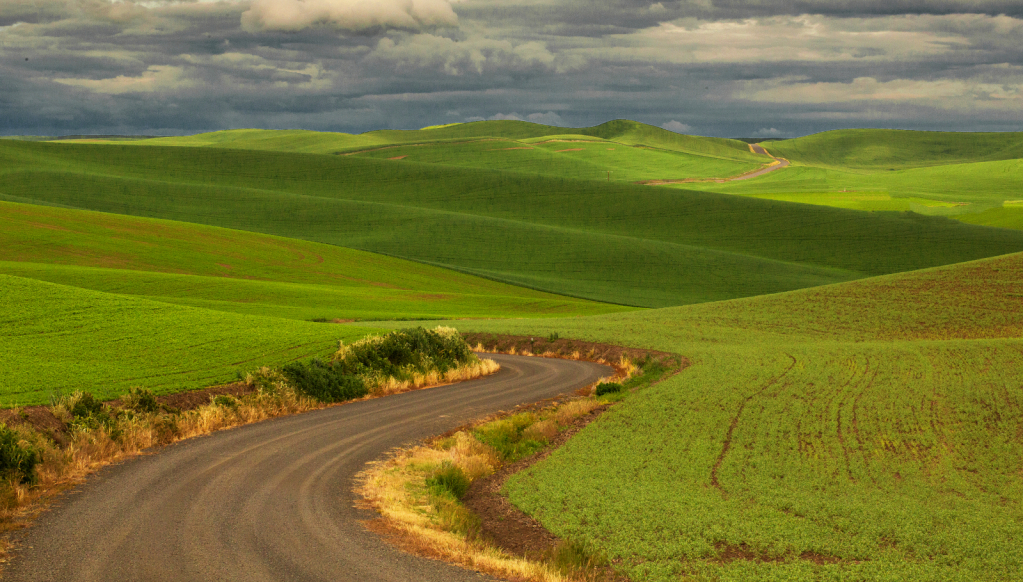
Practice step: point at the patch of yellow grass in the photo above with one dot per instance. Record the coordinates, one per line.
(396, 488)
(391, 385)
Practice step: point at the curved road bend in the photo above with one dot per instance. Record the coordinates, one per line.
(270, 501)
(759, 149)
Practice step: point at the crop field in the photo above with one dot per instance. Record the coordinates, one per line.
(568, 156)
(870, 430)
(970, 177)
(244, 272)
(57, 338)
(604, 241)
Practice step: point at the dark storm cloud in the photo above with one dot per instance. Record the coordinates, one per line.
(715, 67)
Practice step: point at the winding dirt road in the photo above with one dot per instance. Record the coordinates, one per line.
(759, 149)
(270, 501)
(756, 148)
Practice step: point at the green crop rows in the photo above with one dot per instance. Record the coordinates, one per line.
(250, 273)
(60, 339)
(864, 431)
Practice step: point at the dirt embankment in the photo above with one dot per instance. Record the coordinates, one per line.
(42, 419)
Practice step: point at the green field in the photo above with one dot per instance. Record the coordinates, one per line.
(243, 272)
(854, 408)
(60, 339)
(611, 242)
(969, 177)
(863, 431)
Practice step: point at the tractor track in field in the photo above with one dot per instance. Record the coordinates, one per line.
(271, 500)
(735, 422)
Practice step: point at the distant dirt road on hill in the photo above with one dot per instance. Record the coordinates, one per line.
(759, 149)
(270, 501)
(756, 148)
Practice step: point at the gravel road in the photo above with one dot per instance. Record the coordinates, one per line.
(268, 501)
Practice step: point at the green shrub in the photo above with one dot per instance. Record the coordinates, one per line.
(506, 436)
(608, 388)
(226, 400)
(17, 462)
(449, 479)
(87, 413)
(402, 352)
(141, 400)
(86, 406)
(324, 381)
(553, 337)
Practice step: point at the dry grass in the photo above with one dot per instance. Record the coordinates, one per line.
(397, 489)
(624, 367)
(391, 385)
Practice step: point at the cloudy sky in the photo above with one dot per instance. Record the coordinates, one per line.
(738, 68)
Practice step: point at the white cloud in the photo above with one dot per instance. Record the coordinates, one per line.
(505, 117)
(156, 78)
(677, 126)
(939, 93)
(769, 132)
(787, 38)
(356, 15)
(549, 118)
(455, 57)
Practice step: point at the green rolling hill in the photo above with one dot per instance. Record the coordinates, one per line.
(976, 178)
(251, 273)
(610, 242)
(58, 339)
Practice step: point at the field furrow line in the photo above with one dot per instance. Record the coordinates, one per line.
(735, 422)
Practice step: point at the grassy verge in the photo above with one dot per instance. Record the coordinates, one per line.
(419, 491)
(77, 434)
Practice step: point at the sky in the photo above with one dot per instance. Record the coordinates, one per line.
(731, 68)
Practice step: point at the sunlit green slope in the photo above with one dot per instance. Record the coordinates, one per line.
(313, 142)
(620, 131)
(881, 149)
(619, 243)
(973, 177)
(244, 272)
(870, 430)
(59, 338)
(568, 157)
